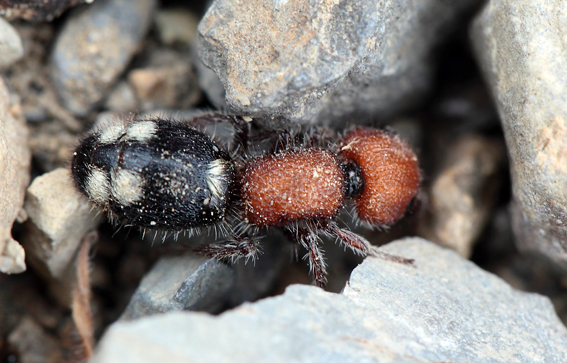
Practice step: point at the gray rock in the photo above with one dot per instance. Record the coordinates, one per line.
(15, 159)
(462, 196)
(11, 48)
(59, 217)
(443, 309)
(94, 47)
(521, 49)
(325, 62)
(181, 283)
(191, 282)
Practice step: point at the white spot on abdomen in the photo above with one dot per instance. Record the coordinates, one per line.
(126, 187)
(111, 134)
(217, 181)
(142, 130)
(97, 186)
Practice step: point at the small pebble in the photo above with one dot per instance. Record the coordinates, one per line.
(94, 47)
(59, 218)
(11, 48)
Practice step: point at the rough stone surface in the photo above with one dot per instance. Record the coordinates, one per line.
(464, 192)
(324, 61)
(181, 283)
(94, 47)
(443, 309)
(11, 48)
(521, 49)
(15, 159)
(59, 217)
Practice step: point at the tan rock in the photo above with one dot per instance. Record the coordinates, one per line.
(14, 168)
(59, 217)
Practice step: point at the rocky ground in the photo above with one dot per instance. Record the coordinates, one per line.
(477, 87)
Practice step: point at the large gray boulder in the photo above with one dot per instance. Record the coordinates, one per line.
(325, 62)
(443, 309)
(520, 45)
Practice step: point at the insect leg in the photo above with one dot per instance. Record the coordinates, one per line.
(310, 242)
(361, 246)
(232, 250)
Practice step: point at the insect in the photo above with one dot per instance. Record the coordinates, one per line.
(166, 175)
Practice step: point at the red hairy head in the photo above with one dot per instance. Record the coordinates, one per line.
(390, 170)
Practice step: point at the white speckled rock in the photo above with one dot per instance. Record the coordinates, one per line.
(520, 45)
(443, 309)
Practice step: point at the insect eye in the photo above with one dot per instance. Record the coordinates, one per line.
(354, 180)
